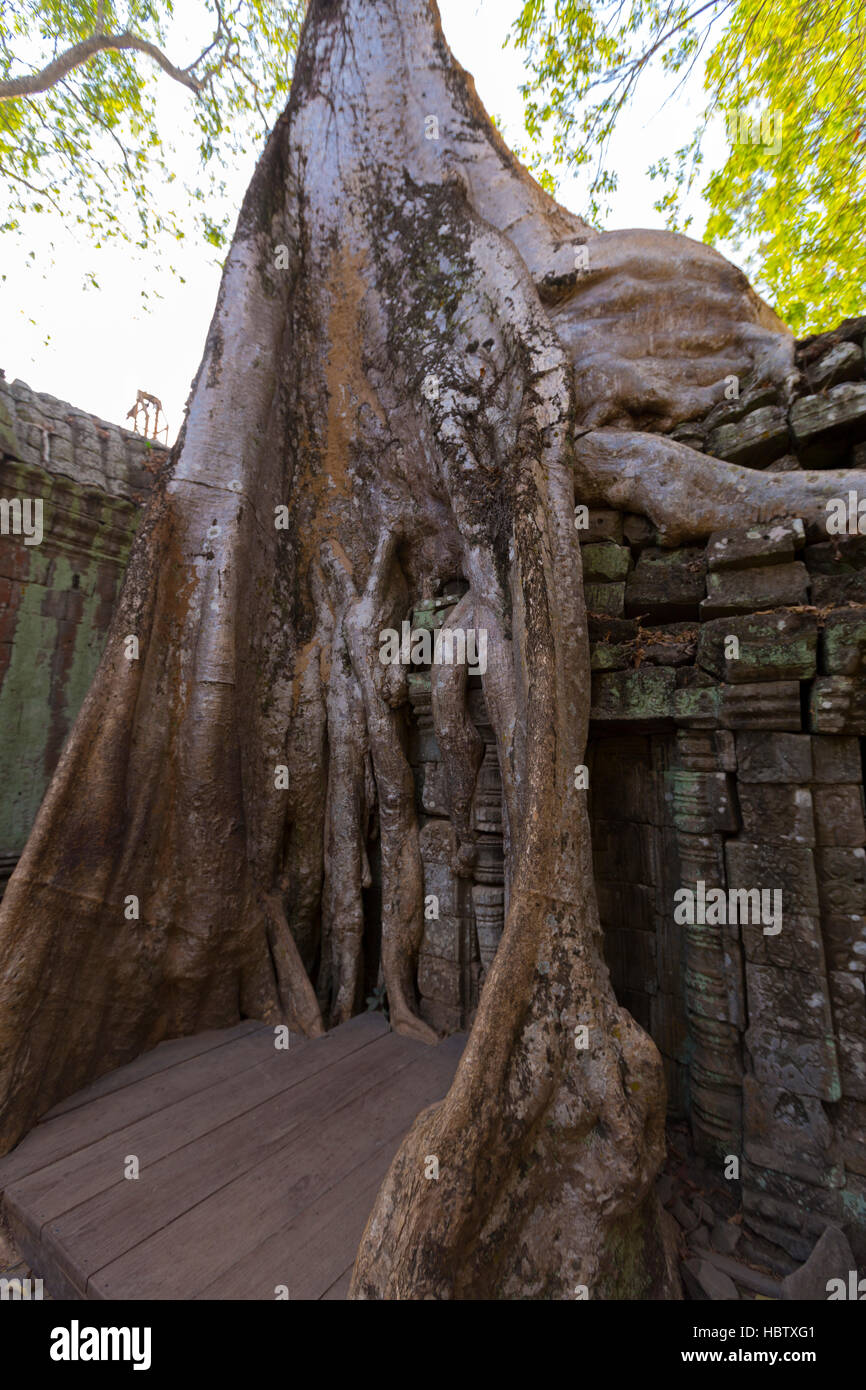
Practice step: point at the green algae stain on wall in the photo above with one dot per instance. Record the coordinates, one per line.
(60, 630)
(57, 598)
(24, 705)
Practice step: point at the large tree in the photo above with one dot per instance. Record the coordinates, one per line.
(420, 363)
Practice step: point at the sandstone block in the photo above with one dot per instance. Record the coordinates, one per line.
(610, 630)
(789, 1133)
(671, 645)
(821, 424)
(434, 791)
(805, 1065)
(852, 1064)
(442, 938)
(704, 1281)
(839, 814)
(436, 842)
(844, 362)
(762, 705)
(845, 941)
(754, 441)
(792, 1001)
(777, 646)
(798, 946)
(638, 531)
(728, 412)
(605, 562)
(768, 757)
(697, 707)
(756, 546)
(604, 525)
(641, 697)
(832, 1258)
(667, 585)
(439, 979)
(836, 759)
(605, 598)
(837, 590)
(777, 813)
(841, 880)
(757, 865)
(840, 555)
(725, 1237)
(838, 705)
(609, 656)
(744, 591)
(848, 998)
(850, 1126)
(843, 643)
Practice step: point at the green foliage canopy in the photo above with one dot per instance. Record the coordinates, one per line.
(788, 78)
(86, 141)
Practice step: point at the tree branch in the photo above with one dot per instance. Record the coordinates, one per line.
(82, 53)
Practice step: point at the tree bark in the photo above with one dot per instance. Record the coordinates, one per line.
(405, 357)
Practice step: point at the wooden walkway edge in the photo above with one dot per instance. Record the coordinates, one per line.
(257, 1166)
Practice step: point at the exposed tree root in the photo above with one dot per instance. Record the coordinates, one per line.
(497, 1220)
(688, 494)
(459, 742)
(347, 872)
(297, 995)
(402, 874)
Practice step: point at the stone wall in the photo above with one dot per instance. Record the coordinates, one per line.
(57, 597)
(733, 764)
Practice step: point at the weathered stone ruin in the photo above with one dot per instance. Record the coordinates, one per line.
(57, 597)
(726, 752)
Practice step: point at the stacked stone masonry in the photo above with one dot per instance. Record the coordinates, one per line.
(736, 765)
(57, 596)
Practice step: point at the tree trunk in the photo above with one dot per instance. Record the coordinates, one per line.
(409, 338)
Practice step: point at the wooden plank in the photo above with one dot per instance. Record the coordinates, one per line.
(340, 1289)
(210, 1095)
(317, 1238)
(91, 1235)
(108, 1115)
(76, 1129)
(56, 1282)
(228, 1240)
(307, 1255)
(166, 1054)
(326, 1234)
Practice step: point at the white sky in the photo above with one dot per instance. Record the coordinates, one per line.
(95, 348)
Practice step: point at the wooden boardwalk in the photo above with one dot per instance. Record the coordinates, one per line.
(258, 1167)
